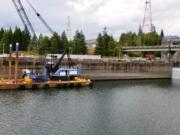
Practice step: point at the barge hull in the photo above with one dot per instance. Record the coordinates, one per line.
(46, 85)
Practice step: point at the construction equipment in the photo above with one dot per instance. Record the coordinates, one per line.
(40, 18)
(30, 76)
(25, 19)
(55, 72)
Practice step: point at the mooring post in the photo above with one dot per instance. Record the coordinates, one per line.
(2, 73)
(10, 63)
(16, 63)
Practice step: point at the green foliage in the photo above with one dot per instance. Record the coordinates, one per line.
(6, 39)
(25, 40)
(129, 39)
(162, 34)
(1, 32)
(100, 46)
(55, 46)
(79, 43)
(141, 39)
(136, 54)
(44, 44)
(33, 45)
(64, 40)
(106, 45)
(149, 39)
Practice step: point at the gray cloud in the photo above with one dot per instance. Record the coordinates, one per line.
(92, 16)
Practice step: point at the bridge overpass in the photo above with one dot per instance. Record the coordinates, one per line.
(155, 48)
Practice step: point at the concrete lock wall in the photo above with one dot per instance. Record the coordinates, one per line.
(95, 67)
(128, 67)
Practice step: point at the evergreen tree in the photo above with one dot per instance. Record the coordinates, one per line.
(79, 43)
(33, 45)
(6, 40)
(17, 35)
(22, 37)
(55, 44)
(152, 39)
(161, 36)
(128, 39)
(100, 48)
(1, 33)
(140, 32)
(106, 45)
(25, 41)
(64, 40)
(44, 44)
(111, 47)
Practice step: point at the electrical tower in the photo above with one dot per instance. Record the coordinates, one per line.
(68, 29)
(147, 25)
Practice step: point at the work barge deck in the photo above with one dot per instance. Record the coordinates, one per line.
(8, 85)
(11, 78)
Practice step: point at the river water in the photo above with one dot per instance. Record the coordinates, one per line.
(149, 107)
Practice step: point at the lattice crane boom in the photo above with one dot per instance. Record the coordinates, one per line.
(40, 17)
(26, 18)
(20, 15)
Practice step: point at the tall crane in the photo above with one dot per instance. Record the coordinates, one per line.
(20, 15)
(24, 17)
(40, 17)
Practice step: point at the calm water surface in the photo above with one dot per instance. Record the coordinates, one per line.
(110, 108)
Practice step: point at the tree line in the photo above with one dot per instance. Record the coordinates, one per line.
(43, 44)
(106, 45)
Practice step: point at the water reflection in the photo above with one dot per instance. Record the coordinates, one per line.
(147, 107)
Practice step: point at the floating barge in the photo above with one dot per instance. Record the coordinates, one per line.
(29, 78)
(10, 85)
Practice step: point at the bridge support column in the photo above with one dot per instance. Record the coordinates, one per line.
(164, 56)
(176, 56)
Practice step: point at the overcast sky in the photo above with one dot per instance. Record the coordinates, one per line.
(92, 16)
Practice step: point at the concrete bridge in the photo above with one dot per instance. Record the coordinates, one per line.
(155, 48)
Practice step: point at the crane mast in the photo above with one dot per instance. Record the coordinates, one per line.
(24, 17)
(20, 15)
